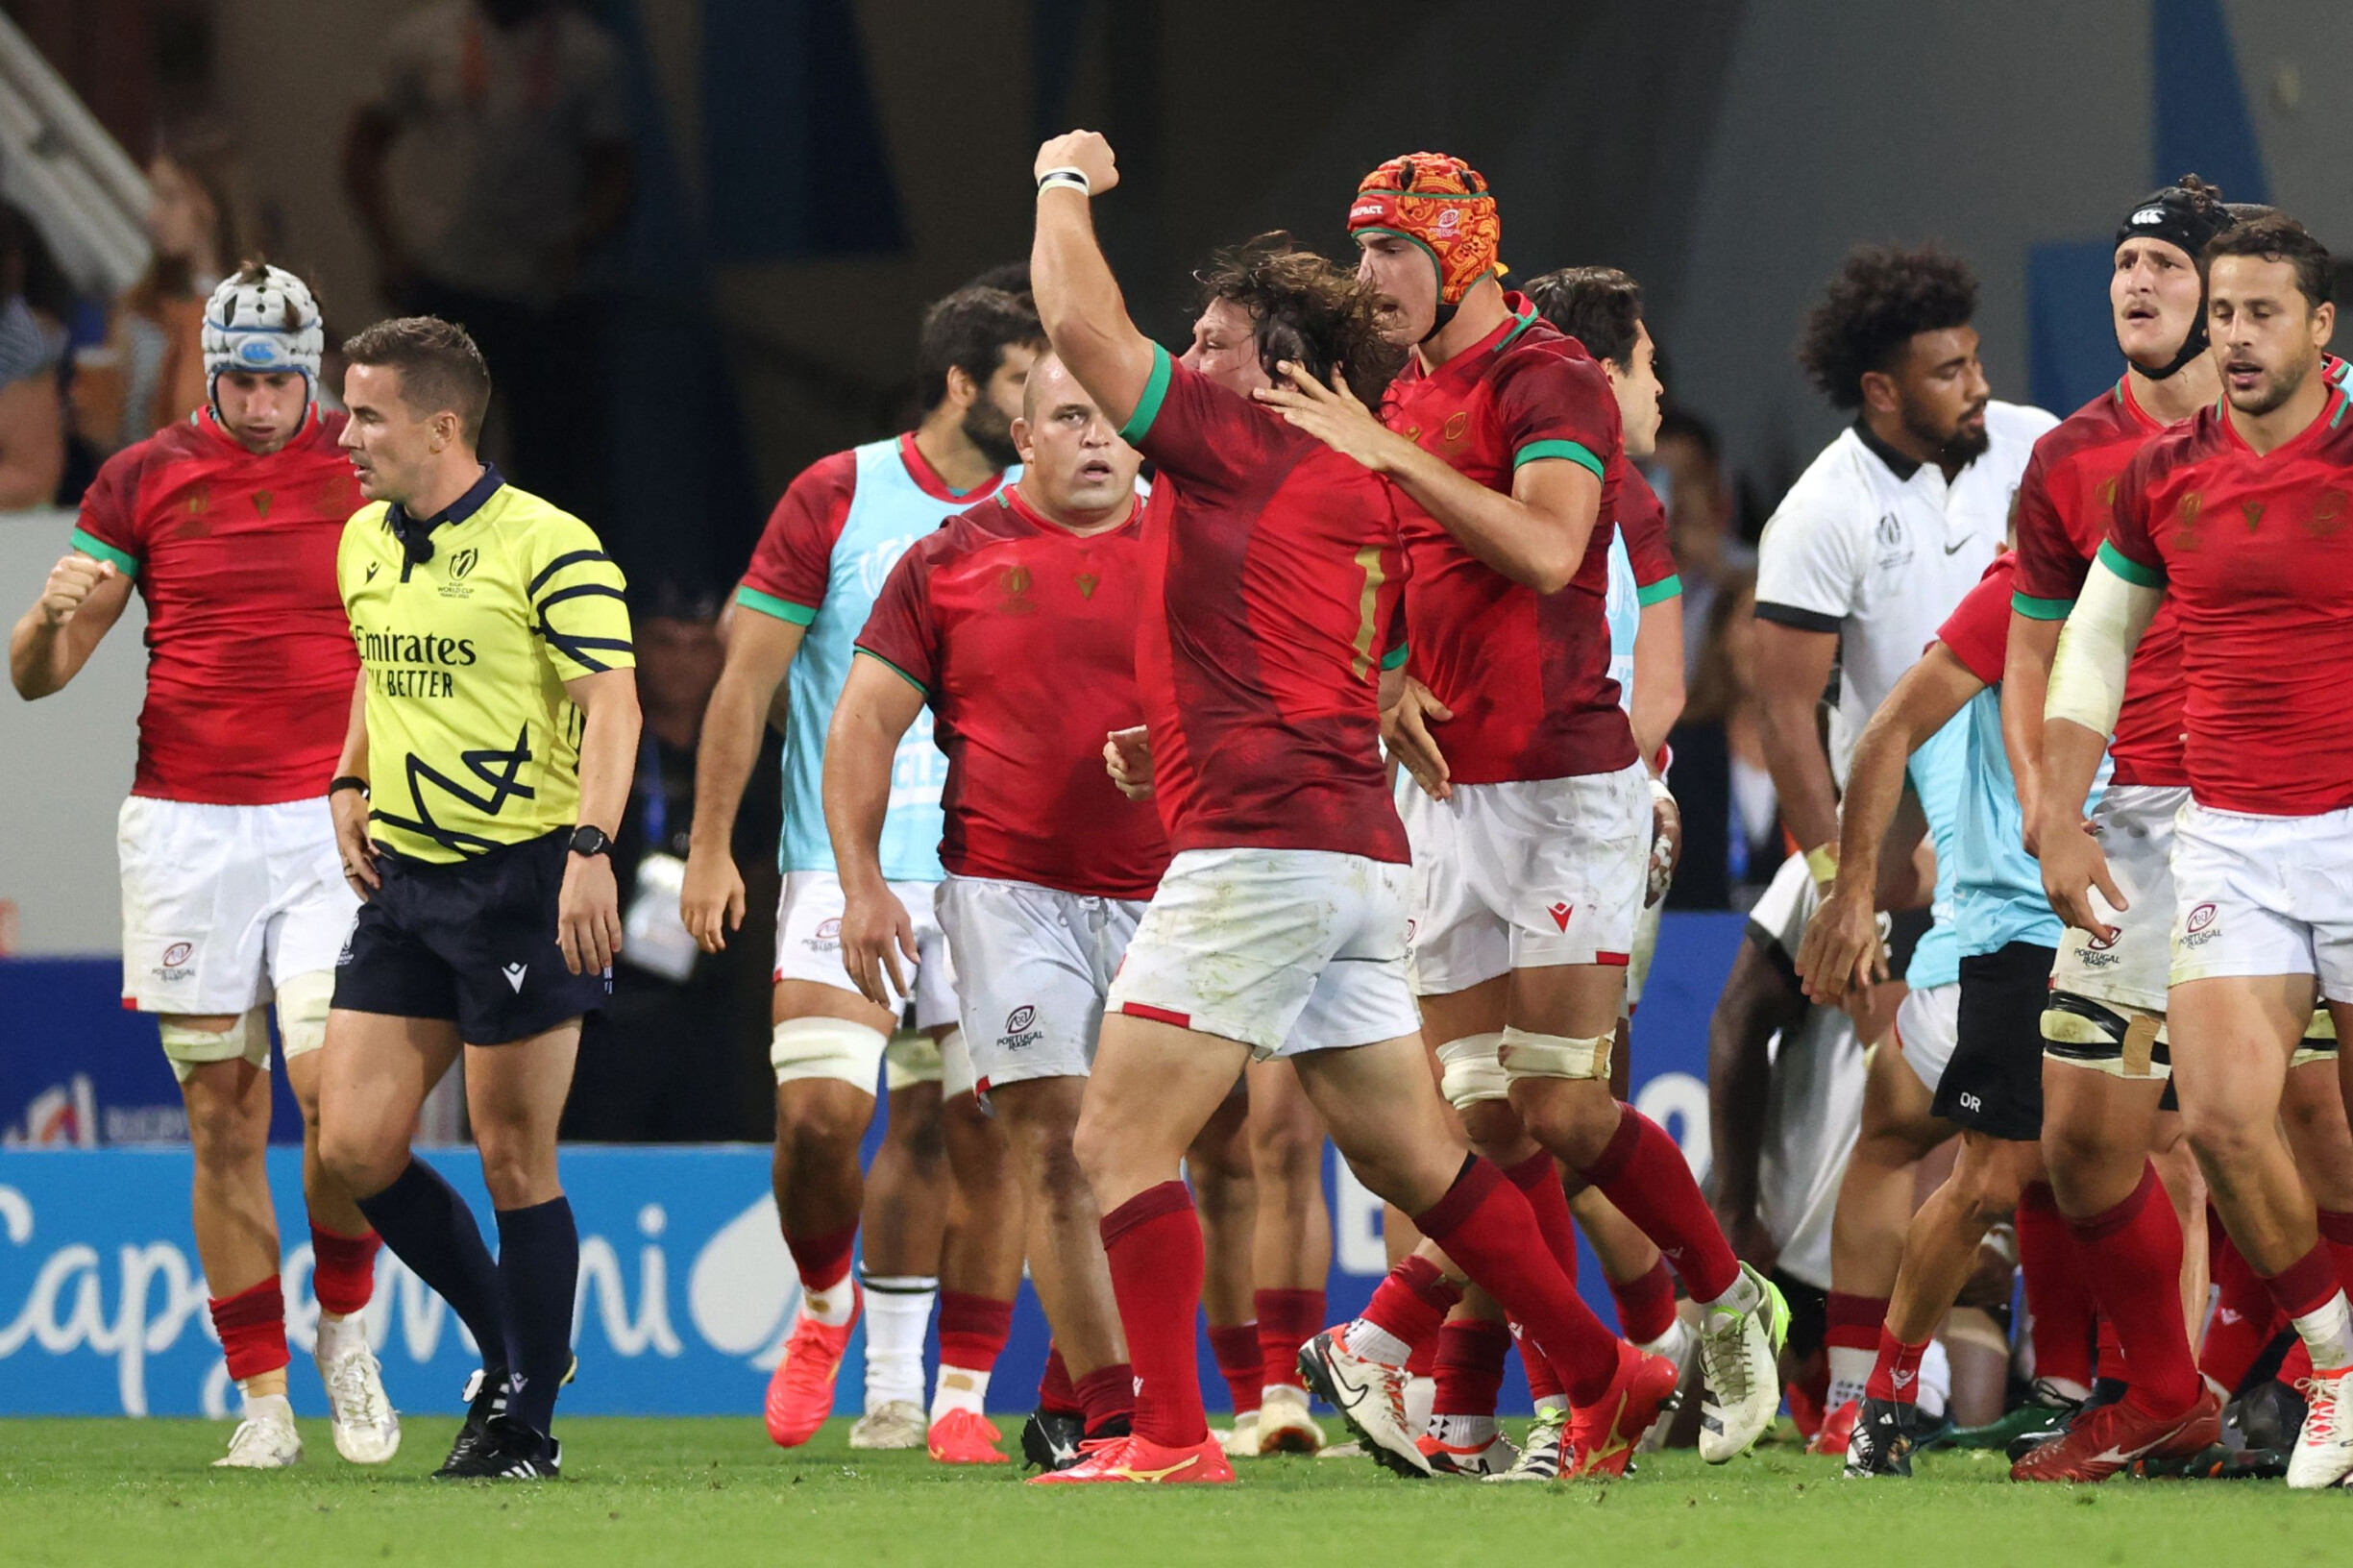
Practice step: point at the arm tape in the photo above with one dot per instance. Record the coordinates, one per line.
(2087, 675)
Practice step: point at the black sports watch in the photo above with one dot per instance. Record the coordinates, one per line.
(590, 840)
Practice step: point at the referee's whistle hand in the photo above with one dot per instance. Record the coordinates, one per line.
(358, 855)
(588, 915)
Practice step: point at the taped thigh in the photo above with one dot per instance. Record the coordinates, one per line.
(188, 1048)
(836, 1048)
(1526, 1054)
(2123, 1043)
(1472, 1071)
(302, 1001)
(910, 1059)
(957, 1075)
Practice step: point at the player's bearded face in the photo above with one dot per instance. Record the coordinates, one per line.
(2267, 336)
(2155, 295)
(1943, 390)
(988, 423)
(1401, 273)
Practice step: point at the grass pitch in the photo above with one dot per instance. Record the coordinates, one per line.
(713, 1492)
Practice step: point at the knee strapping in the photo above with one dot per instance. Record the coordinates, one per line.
(835, 1048)
(2126, 1043)
(302, 1001)
(1471, 1071)
(188, 1048)
(910, 1059)
(1526, 1054)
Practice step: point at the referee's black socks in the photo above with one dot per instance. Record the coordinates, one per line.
(539, 1267)
(428, 1227)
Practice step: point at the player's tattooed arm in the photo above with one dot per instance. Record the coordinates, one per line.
(77, 605)
(1842, 949)
(879, 705)
(1535, 536)
(1078, 299)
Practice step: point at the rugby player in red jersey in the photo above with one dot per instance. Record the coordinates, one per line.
(1270, 610)
(233, 898)
(2236, 521)
(1532, 839)
(2109, 995)
(1015, 623)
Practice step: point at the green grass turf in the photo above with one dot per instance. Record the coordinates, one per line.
(713, 1492)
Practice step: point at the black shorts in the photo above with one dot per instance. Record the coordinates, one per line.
(473, 940)
(1993, 1083)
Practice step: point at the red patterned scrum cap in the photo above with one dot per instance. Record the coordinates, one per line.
(1441, 204)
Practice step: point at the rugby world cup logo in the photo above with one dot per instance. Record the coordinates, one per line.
(462, 563)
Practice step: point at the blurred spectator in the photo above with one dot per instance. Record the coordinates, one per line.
(150, 370)
(490, 166)
(33, 304)
(1731, 825)
(1687, 470)
(680, 1054)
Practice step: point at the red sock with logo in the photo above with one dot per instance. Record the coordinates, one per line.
(1643, 1173)
(253, 1328)
(1152, 1243)
(1896, 1375)
(2133, 1256)
(342, 1269)
(1287, 1320)
(2245, 1318)
(1055, 1395)
(1470, 1366)
(1488, 1228)
(1235, 1345)
(2062, 1317)
(1108, 1394)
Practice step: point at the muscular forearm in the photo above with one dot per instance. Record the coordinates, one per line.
(1801, 771)
(38, 661)
(354, 762)
(724, 760)
(1078, 299)
(2070, 761)
(608, 754)
(2025, 686)
(1875, 784)
(859, 756)
(1532, 548)
(1659, 674)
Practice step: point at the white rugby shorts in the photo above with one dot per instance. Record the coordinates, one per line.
(1285, 950)
(221, 903)
(809, 942)
(1036, 965)
(1526, 875)
(1928, 1027)
(2134, 823)
(2257, 895)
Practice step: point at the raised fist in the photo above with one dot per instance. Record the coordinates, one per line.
(71, 582)
(1085, 151)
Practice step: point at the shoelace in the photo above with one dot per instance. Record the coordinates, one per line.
(249, 1433)
(1727, 1367)
(2320, 1406)
(357, 1397)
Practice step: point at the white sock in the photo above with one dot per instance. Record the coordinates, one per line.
(1742, 1295)
(1374, 1343)
(1552, 1402)
(1281, 1393)
(1935, 1387)
(960, 1388)
(2328, 1334)
(832, 1304)
(338, 1336)
(1849, 1371)
(1463, 1430)
(258, 1405)
(1671, 1343)
(897, 1313)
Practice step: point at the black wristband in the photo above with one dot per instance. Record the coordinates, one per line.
(349, 781)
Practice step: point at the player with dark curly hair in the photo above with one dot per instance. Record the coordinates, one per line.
(1271, 624)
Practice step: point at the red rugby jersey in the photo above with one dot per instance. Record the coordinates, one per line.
(1977, 631)
(1642, 521)
(1271, 597)
(249, 659)
(2066, 501)
(1022, 636)
(1526, 674)
(2256, 555)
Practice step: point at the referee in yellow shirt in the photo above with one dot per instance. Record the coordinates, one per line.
(492, 739)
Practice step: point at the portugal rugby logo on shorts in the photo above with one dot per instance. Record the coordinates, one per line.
(173, 963)
(828, 937)
(1018, 1030)
(2198, 928)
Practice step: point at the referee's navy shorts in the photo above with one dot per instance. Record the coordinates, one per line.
(471, 940)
